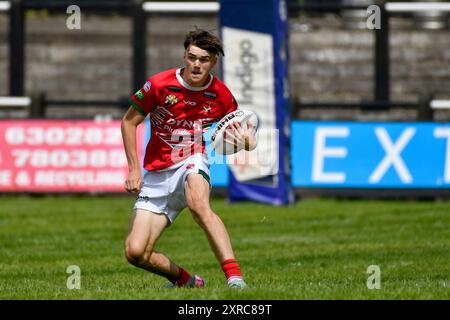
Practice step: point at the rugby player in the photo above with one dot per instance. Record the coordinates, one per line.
(181, 103)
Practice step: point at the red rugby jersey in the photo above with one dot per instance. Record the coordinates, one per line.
(179, 114)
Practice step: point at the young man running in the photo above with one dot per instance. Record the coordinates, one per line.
(182, 103)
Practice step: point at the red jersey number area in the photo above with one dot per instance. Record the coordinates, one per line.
(179, 114)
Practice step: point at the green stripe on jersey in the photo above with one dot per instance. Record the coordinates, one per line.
(137, 107)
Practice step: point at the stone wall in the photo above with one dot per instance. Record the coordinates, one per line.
(328, 62)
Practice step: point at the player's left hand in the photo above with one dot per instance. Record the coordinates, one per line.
(241, 135)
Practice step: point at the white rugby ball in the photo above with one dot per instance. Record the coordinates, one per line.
(219, 135)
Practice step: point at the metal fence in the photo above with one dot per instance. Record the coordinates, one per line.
(138, 11)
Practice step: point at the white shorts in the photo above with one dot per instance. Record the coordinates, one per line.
(162, 191)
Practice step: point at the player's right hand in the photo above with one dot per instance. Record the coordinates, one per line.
(133, 182)
(241, 135)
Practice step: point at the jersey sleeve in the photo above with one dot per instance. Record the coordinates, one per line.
(230, 104)
(146, 98)
(233, 105)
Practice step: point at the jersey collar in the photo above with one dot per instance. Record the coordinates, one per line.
(188, 86)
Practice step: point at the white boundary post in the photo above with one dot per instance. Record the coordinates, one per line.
(210, 7)
(417, 6)
(5, 5)
(15, 102)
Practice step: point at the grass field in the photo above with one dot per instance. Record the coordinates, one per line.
(317, 249)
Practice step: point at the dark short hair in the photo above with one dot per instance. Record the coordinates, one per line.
(204, 40)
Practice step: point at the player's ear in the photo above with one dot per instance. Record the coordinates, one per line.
(213, 60)
(185, 54)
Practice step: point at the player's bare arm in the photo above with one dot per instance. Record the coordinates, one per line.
(130, 121)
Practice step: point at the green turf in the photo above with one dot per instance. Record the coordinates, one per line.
(317, 249)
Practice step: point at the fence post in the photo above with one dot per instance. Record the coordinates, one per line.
(424, 110)
(382, 55)
(139, 44)
(16, 48)
(38, 106)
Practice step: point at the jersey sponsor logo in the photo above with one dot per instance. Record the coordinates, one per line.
(163, 119)
(181, 123)
(179, 138)
(158, 116)
(139, 95)
(143, 199)
(190, 103)
(210, 95)
(147, 86)
(187, 123)
(171, 99)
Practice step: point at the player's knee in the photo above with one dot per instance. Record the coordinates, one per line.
(134, 253)
(198, 206)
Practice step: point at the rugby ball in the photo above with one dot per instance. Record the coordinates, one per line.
(219, 140)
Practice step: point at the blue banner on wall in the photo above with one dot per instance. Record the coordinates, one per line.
(255, 40)
(370, 155)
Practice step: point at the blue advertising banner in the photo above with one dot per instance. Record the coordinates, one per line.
(370, 155)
